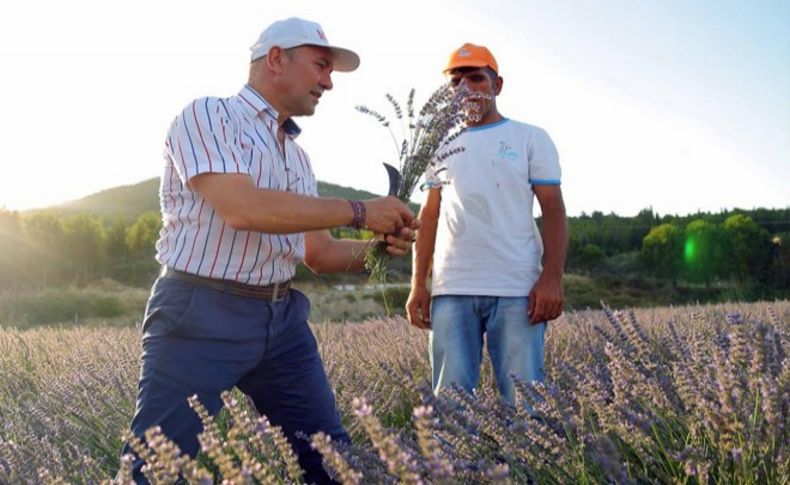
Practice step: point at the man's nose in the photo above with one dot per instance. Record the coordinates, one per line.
(465, 83)
(326, 81)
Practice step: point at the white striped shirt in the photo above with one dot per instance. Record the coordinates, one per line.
(229, 135)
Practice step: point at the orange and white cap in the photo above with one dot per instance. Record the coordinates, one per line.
(471, 55)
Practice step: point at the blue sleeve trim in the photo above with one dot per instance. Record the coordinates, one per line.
(485, 127)
(544, 181)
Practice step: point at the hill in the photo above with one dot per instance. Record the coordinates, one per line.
(125, 200)
(132, 200)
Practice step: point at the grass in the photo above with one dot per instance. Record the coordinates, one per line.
(108, 303)
(104, 302)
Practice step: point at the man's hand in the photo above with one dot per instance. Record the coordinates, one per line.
(387, 215)
(546, 299)
(399, 244)
(418, 307)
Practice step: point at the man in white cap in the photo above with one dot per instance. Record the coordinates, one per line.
(240, 210)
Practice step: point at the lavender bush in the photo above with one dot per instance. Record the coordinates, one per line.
(674, 395)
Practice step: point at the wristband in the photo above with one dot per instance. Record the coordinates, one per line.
(360, 214)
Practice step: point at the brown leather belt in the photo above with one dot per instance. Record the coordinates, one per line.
(274, 292)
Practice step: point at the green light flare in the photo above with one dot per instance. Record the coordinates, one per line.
(690, 251)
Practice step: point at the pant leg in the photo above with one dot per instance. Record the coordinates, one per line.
(514, 344)
(291, 388)
(195, 341)
(456, 342)
(163, 403)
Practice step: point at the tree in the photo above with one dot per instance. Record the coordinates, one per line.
(141, 237)
(13, 249)
(702, 252)
(662, 251)
(84, 245)
(591, 256)
(779, 275)
(44, 234)
(747, 247)
(115, 246)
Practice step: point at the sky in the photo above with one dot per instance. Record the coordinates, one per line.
(676, 105)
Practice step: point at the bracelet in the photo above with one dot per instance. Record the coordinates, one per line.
(360, 214)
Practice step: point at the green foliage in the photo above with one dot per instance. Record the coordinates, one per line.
(779, 276)
(331, 190)
(112, 234)
(747, 247)
(12, 248)
(584, 258)
(662, 251)
(84, 242)
(393, 297)
(116, 247)
(737, 253)
(58, 305)
(141, 237)
(702, 252)
(108, 234)
(349, 233)
(45, 248)
(611, 233)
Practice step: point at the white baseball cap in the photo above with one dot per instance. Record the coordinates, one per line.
(294, 32)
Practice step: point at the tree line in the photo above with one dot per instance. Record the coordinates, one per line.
(746, 249)
(43, 249)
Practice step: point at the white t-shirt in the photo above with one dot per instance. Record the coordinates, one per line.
(487, 242)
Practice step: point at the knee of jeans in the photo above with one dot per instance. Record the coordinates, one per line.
(460, 374)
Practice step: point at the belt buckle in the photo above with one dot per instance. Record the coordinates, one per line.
(276, 293)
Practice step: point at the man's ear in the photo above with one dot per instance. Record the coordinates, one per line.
(275, 59)
(498, 85)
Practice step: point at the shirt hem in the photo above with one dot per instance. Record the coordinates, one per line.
(479, 292)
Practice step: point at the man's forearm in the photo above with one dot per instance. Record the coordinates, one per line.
(425, 241)
(555, 241)
(345, 255)
(338, 255)
(276, 212)
(423, 252)
(248, 208)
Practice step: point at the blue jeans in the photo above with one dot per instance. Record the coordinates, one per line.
(198, 340)
(456, 342)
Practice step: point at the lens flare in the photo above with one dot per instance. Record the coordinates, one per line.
(690, 251)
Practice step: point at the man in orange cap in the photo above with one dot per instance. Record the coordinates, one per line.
(481, 247)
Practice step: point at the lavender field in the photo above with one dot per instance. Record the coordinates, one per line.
(672, 395)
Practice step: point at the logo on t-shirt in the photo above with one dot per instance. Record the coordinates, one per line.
(506, 151)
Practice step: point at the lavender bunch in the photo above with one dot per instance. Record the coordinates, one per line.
(426, 143)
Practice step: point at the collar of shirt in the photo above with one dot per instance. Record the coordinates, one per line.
(256, 105)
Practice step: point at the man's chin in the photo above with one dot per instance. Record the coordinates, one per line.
(306, 111)
(473, 117)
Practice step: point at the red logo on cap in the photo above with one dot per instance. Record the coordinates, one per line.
(320, 33)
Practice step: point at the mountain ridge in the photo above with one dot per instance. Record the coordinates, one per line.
(134, 199)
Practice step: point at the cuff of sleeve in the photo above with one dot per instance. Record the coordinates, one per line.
(544, 181)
